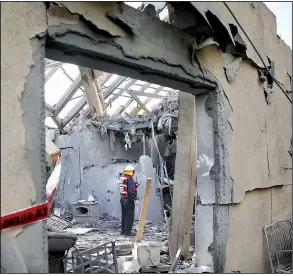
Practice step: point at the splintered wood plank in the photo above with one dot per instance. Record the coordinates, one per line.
(144, 208)
(92, 94)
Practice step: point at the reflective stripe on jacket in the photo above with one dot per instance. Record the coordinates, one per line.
(125, 191)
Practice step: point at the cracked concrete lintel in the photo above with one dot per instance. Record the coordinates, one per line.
(231, 66)
(96, 13)
(59, 15)
(124, 21)
(148, 50)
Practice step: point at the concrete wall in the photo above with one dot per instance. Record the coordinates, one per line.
(205, 190)
(22, 122)
(86, 167)
(250, 154)
(95, 151)
(258, 145)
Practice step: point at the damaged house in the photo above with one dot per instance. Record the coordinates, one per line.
(196, 96)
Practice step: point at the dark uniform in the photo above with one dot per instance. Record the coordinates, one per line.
(128, 196)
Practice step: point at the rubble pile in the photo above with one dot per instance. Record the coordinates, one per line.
(166, 111)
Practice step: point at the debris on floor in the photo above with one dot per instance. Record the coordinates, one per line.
(79, 231)
(105, 231)
(90, 236)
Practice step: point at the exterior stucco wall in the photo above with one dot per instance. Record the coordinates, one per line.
(246, 247)
(260, 166)
(23, 26)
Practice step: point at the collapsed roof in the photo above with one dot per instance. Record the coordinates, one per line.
(108, 101)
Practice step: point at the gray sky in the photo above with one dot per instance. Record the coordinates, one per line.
(283, 13)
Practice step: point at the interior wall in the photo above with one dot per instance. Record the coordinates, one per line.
(86, 167)
(95, 150)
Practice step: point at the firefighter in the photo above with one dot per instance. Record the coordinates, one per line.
(128, 199)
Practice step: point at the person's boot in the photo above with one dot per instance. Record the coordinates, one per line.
(131, 234)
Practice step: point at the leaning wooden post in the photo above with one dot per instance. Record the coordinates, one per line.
(185, 177)
(144, 208)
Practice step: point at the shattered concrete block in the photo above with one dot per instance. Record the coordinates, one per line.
(147, 253)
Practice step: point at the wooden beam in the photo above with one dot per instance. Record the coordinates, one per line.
(66, 74)
(56, 120)
(175, 260)
(98, 81)
(143, 210)
(129, 102)
(137, 126)
(68, 94)
(112, 87)
(50, 108)
(139, 102)
(105, 80)
(185, 176)
(146, 94)
(81, 103)
(50, 74)
(122, 90)
(137, 109)
(93, 98)
(48, 113)
(70, 78)
(52, 64)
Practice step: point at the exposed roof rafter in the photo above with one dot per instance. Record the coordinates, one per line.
(103, 92)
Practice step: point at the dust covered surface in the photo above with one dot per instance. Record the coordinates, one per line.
(107, 231)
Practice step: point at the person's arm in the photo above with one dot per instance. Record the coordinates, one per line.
(131, 192)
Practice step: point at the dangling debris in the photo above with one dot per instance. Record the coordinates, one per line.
(162, 115)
